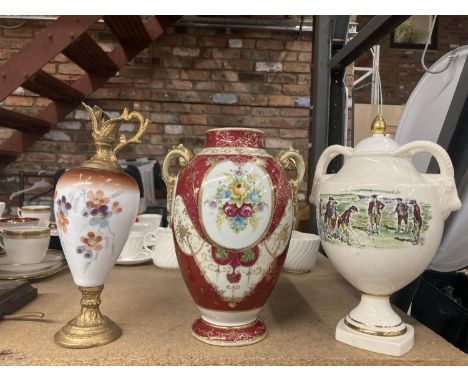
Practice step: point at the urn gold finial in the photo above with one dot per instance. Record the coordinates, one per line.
(107, 139)
(378, 125)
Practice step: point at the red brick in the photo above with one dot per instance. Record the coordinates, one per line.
(282, 56)
(295, 112)
(225, 53)
(294, 133)
(253, 99)
(278, 100)
(303, 46)
(296, 67)
(265, 111)
(235, 110)
(176, 107)
(193, 119)
(270, 44)
(298, 90)
(195, 75)
(208, 64)
(242, 65)
(208, 109)
(176, 84)
(219, 42)
(224, 75)
(39, 157)
(306, 57)
(212, 86)
(237, 87)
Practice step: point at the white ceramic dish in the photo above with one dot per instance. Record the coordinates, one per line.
(143, 257)
(302, 253)
(53, 262)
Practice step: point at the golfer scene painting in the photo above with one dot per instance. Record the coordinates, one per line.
(372, 220)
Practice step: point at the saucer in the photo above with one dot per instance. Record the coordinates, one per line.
(53, 262)
(143, 257)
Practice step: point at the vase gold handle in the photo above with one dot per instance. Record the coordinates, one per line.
(143, 125)
(184, 155)
(289, 157)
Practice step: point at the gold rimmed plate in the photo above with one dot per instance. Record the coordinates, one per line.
(53, 262)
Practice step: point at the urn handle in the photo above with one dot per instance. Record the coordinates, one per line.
(445, 180)
(184, 155)
(321, 170)
(289, 157)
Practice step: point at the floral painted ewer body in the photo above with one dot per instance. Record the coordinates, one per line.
(232, 210)
(95, 208)
(380, 222)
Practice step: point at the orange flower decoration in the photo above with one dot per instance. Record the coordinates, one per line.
(91, 242)
(62, 221)
(116, 209)
(96, 200)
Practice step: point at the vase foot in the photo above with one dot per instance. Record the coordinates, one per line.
(377, 342)
(90, 328)
(79, 337)
(229, 335)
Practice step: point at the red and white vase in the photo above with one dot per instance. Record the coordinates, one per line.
(232, 210)
(95, 207)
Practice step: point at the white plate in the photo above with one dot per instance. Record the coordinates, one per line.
(53, 262)
(143, 257)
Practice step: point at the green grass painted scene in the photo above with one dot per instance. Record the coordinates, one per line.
(368, 219)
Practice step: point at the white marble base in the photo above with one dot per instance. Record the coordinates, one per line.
(396, 346)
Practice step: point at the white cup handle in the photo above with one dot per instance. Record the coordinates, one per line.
(145, 241)
(18, 211)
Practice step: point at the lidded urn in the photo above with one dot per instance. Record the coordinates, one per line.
(380, 222)
(232, 209)
(95, 207)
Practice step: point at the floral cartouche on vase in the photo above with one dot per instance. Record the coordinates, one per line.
(232, 210)
(380, 223)
(95, 207)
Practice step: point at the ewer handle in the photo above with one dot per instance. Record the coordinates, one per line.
(184, 155)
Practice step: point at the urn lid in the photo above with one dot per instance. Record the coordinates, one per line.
(378, 142)
(107, 139)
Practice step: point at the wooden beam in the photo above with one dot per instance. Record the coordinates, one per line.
(46, 45)
(22, 122)
(129, 30)
(48, 86)
(87, 54)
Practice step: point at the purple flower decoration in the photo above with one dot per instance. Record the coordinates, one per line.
(100, 216)
(63, 205)
(82, 250)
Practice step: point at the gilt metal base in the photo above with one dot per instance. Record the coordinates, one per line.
(90, 328)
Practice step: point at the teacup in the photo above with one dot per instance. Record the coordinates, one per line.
(302, 252)
(25, 245)
(154, 219)
(2, 208)
(164, 255)
(136, 246)
(18, 222)
(40, 212)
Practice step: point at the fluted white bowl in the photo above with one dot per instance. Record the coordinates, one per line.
(302, 253)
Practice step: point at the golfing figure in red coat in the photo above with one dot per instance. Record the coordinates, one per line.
(331, 215)
(373, 211)
(344, 224)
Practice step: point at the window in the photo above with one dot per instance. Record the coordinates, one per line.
(413, 33)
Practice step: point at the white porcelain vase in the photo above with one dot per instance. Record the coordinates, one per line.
(380, 222)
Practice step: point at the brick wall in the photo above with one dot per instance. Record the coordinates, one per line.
(187, 82)
(400, 69)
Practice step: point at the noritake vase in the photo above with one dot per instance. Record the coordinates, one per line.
(232, 210)
(95, 207)
(380, 223)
